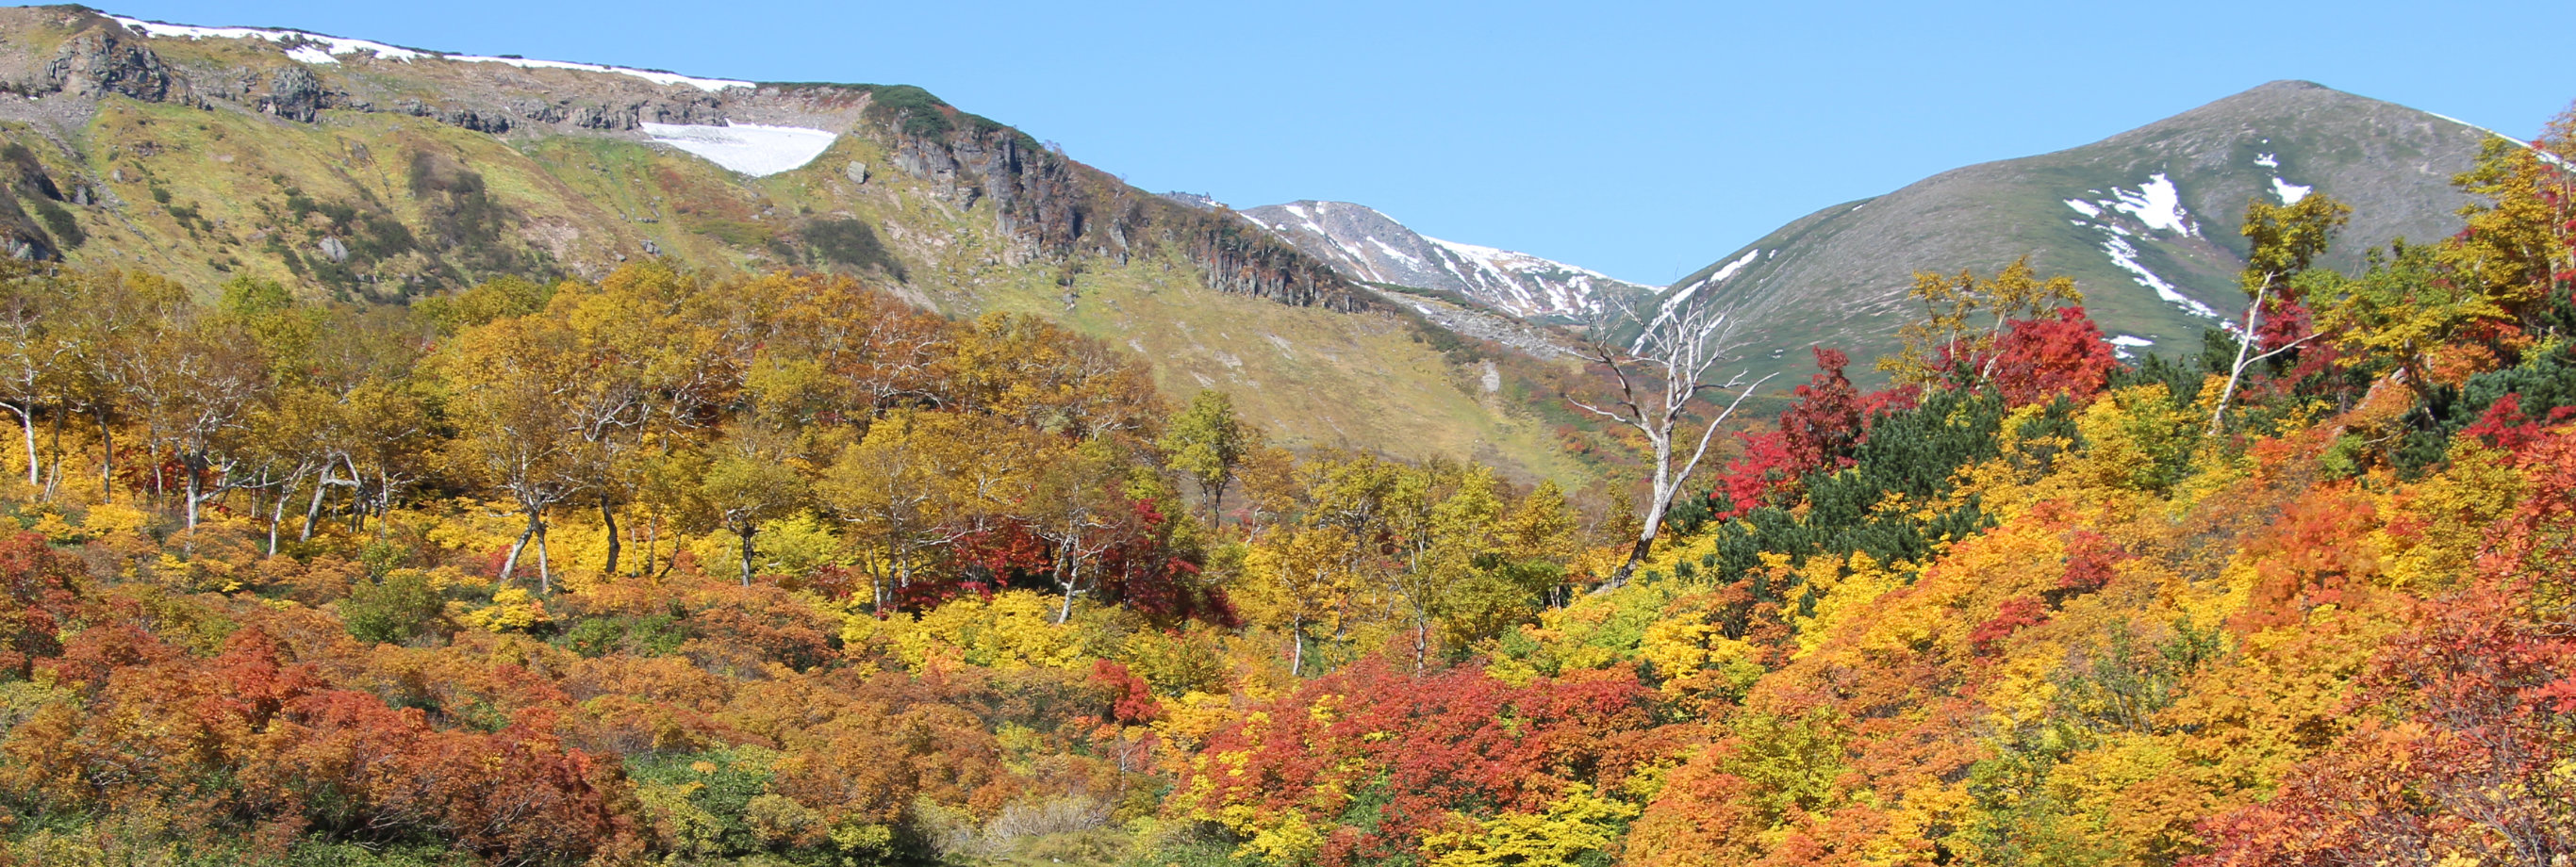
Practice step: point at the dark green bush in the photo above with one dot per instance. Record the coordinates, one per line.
(404, 608)
(850, 242)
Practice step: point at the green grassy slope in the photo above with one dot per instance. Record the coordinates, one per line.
(1838, 276)
(367, 204)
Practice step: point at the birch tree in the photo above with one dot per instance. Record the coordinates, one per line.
(509, 396)
(2285, 239)
(754, 475)
(1297, 579)
(1208, 444)
(904, 491)
(26, 351)
(1660, 375)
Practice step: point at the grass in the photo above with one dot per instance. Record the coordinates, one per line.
(1840, 279)
(1314, 378)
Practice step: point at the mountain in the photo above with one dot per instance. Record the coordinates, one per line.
(1372, 247)
(2146, 222)
(375, 173)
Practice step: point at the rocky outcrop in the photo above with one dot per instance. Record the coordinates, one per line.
(101, 61)
(1060, 208)
(1244, 260)
(617, 118)
(294, 93)
(540, 110)
(493, 122)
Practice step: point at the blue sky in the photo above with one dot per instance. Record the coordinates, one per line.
(1639, 139)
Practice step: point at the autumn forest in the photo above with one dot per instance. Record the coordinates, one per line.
(698, 567)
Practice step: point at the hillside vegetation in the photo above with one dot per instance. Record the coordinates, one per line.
(780, 569)
(380, 179)
(377, 497)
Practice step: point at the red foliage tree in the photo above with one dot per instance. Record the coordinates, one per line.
(2286, 320)
(1418, 750)
(352, 767)
(2014, 615)
(2315, 553)
(2092, 560)
(1820, 432)
(2040, 359)
(1825, 426)
(38, 593)
(1131, 700)
(2505, 426)
(1145, 570)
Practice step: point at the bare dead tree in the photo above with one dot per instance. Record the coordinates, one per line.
(1660, 374)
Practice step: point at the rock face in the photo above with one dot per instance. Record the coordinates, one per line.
(1366, 245)
(1057, 207)
(102, 60)
(294, 93)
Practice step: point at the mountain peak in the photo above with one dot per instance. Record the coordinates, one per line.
(2288, 84)
(2146, 221)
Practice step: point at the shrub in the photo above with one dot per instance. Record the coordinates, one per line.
(401, 609)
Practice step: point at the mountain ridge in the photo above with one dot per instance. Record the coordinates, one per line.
(1365, 244)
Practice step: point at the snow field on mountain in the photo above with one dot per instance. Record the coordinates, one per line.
(751, 149)
(2157, 203)
(2125, 257)
(315, 48)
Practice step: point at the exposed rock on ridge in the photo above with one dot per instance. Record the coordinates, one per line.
(1369, 246)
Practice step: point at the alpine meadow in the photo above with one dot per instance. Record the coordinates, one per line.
(413, 458)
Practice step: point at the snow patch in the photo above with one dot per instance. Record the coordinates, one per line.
(330, 45)
(1309, 221)
(1683, 294)
(1393, 253)
(751, 149)
(2131, 340)
(2157, 203)
(664, 79)
(2269, 161)
(2125, 258)
(2081, 206)
(1516, 261)
(317, 48)
(2290, 193)
(1735, 266)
